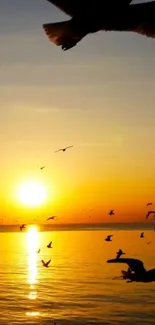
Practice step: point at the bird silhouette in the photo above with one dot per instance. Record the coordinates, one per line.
(149, 212)
(42, 167)
(119, 253)
(46, 264)
(49, 245)
(22, 227)
(51, 218)
(38, 251)
(111, 212)
(108, 238)
(136, 271)
(88, 17)
(149, 203)
(64, 149)
(142, 235)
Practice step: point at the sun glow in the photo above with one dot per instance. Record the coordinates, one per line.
(32, 194)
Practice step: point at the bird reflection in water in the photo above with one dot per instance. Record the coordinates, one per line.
(32, 245)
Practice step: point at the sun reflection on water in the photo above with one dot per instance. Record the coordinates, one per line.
(32, 245)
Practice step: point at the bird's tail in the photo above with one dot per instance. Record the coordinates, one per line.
(60, 33)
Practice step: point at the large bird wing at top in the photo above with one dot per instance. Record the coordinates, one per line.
(135, 265)
(72, 7)
(143, 18)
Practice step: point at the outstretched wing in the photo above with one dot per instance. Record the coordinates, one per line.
(143, 18)
(48, 263)
(149, 212)
(72, 7)
(135, 265)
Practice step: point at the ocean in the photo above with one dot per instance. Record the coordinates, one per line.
(78, 287)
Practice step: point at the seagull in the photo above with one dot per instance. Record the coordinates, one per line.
(111, 212)
(88, 17)
(51, 218)
(119, 253)
(49, 245)
(42, 167)
(149, 203)
(149, 212)
(64, 149)
(22, 227)
(46, 264)
(136, 271)
(142, 235)
(108, 238)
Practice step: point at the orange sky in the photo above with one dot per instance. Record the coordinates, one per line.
(98, 97)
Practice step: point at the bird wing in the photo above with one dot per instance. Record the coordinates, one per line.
(58, 150)
(135, 265)
(48, 262)
(68, 147)
(143, 18)
(72, 7)
(149, 212)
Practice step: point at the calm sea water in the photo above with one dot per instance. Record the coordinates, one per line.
(78, 287)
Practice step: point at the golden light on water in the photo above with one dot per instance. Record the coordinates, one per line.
(32, 193)
(32, 245)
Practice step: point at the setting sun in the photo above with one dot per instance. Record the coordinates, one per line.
(32, 194)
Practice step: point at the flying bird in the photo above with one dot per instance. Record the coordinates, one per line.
(46, 264)
(38, 251)
(91, 16)
(119, 253)
(136, 271)
(22, 227)
(42, 167)
(64, 149)
(49, 245)
(149, 203)
(149, 212)
(51, 218)
(108, 238)
(142, 235)
(111, 212)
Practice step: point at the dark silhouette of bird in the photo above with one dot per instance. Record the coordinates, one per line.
(108, 238)
(111, 212)
(149, 242)
(38, 251)
(136, 271)
(64, 149)
(142, 235)
(22, 227)
(42, 167)
(91, 16)
(149, 212)
(51, 218)
(46, 264)
(119, 253)
(49, 245)
(149, 203)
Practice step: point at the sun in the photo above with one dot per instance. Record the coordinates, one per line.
(32, 194)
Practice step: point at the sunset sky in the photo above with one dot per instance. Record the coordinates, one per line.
(98, 97)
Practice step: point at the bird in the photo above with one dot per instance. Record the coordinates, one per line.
(108, 238)
(51, 218)
(46, 264)
(111, 212)
(149, 242)
(91, 16)
(22, 227)
(49, 245)
(136, 271)
(142, 235)
(149, 203)
(42, 167)
(63, 149)
(119, 253)
(38, 251)
(149, 212)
